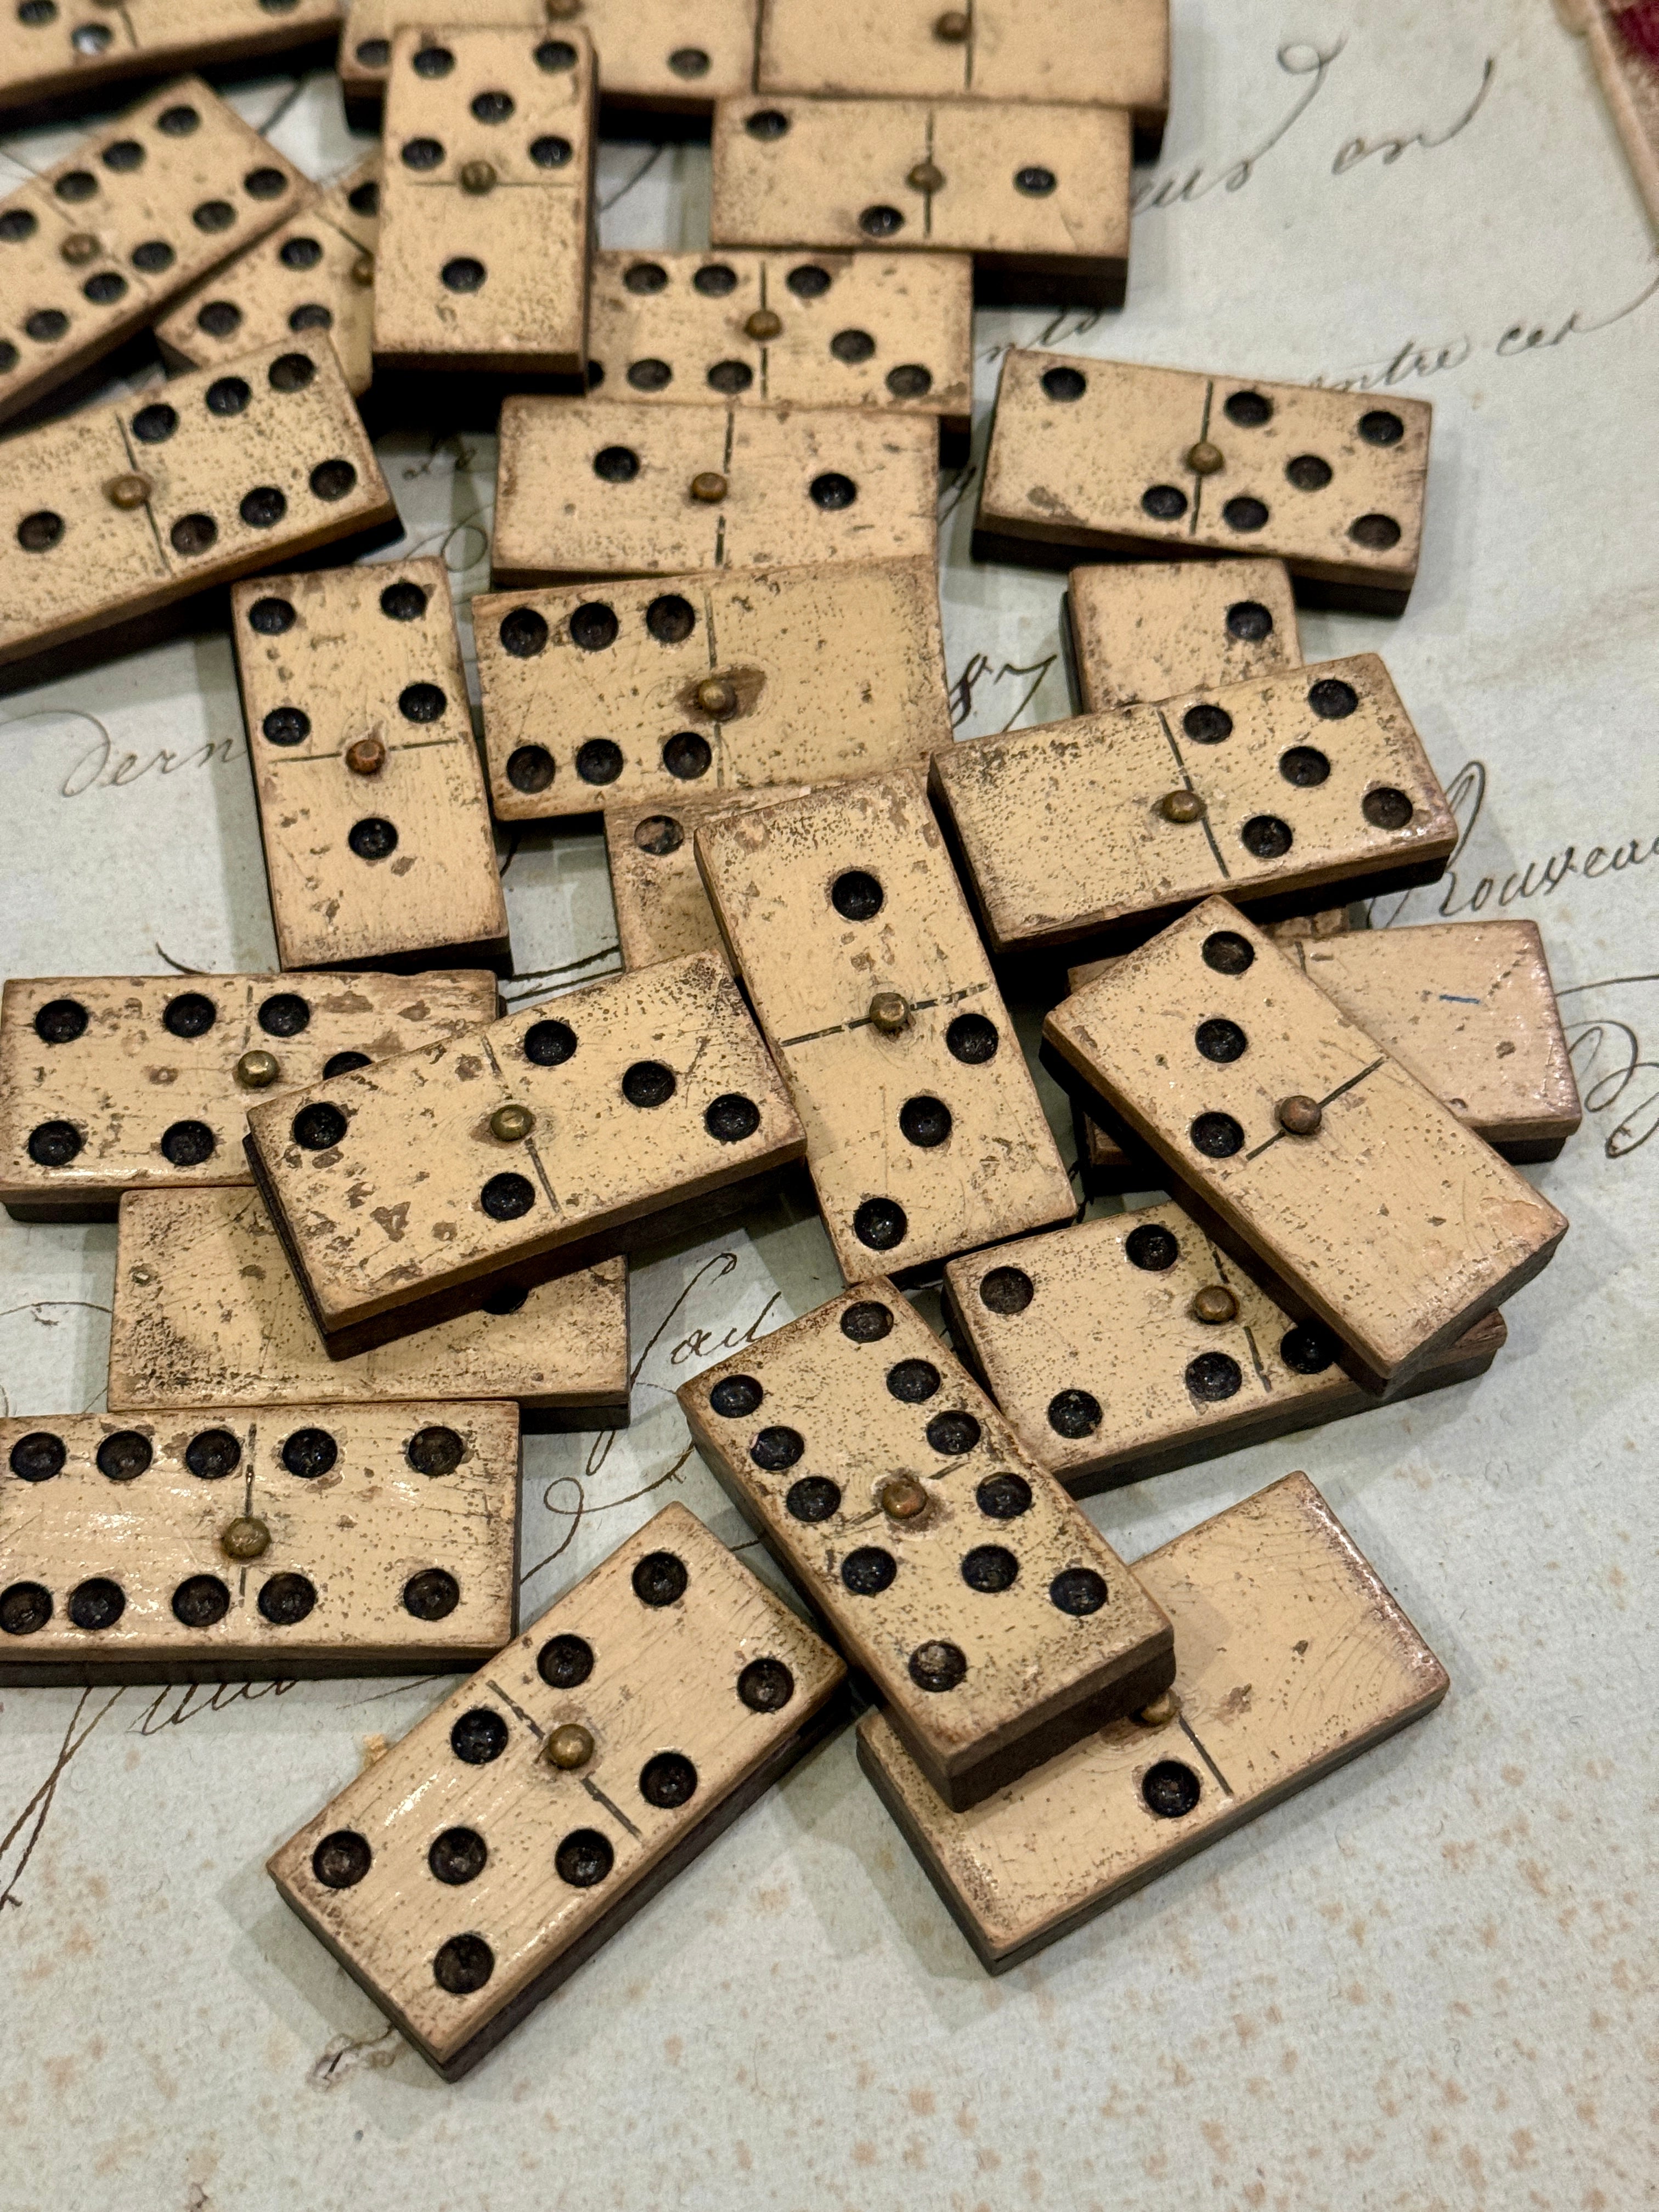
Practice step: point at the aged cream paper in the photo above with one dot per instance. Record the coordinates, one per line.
(1428, 1982)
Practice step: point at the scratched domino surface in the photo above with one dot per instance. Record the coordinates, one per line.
(485, 192)
(376, 823)
(58, 47)
(827, 329)
(1318, 1991)
(685, 1684)
(601, 697)
(91, 250)
(1116, 457)
(222, 1546)
(113, 1083)
(1308, 781)
(315, 273)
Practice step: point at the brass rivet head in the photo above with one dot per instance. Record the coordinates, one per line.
(1180, 806)
(952, 27)
(246, 1538)
(1299, 1116)
(362, 269)
(79, 246)
(716, 696)
(366, 756)
(902, 1498)
(763, 324)
(511, 1124)
(890, 1012)
(569, 1747)
(1204, 458)
(257, 1071)
(925, 176)
(478, 177)
(1215, 1303)
(709, 486)
(128, 492)
(1163, 1709)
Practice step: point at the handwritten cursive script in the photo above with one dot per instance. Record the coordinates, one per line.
(1467, 796)
(1361, 149)
(1296, 60)
(1606, 1057)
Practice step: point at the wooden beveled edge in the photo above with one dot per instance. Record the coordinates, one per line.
(997, 1960)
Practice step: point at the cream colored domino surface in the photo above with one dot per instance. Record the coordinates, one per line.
(662, 909)
(486, 202)
(112, 514)
(372, 811)
(1146, 629)
(316, 273)
(1124, 1347)
(82, 49)
(92, 248)
(996, 1625)
(1291, 1657)
(600, 488)
(651, 54)
(370, 26)
(207, 1313)
(890, 332)
(116, 1082)
(1306, 1144)
(688, 686)
(1039, 195)
(565, 1132)
(1116, 457)
(1308, 779)
(467, 1873)
(213, 1546)
(1468, 1007)
(1094, 53)
(924, 1133)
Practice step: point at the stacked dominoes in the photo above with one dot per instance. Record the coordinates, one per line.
(369, 1226)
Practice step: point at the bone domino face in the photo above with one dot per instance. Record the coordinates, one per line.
(207, 1313)
(1127, 1346)
(562, 1122)
(1039, 195)
(889, 333)
(1364, 1196)
(113, 1083)
(598, 488)
(217, 1544)
(1292, 1658)
(651, 59)
(686, 687)
(73, 48)
(93, 248)
(992, 1619)
(317, 272)
(1114, 53)
(486, 201)
(1109, 823)
(372, 803)
(491, 1850)
(115, 513)
(662, 909)
(924, 1133)
(1468, 1007)
(1147, 629)
(1117, 456)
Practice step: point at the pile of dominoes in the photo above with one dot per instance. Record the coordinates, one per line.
(366, 1226)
